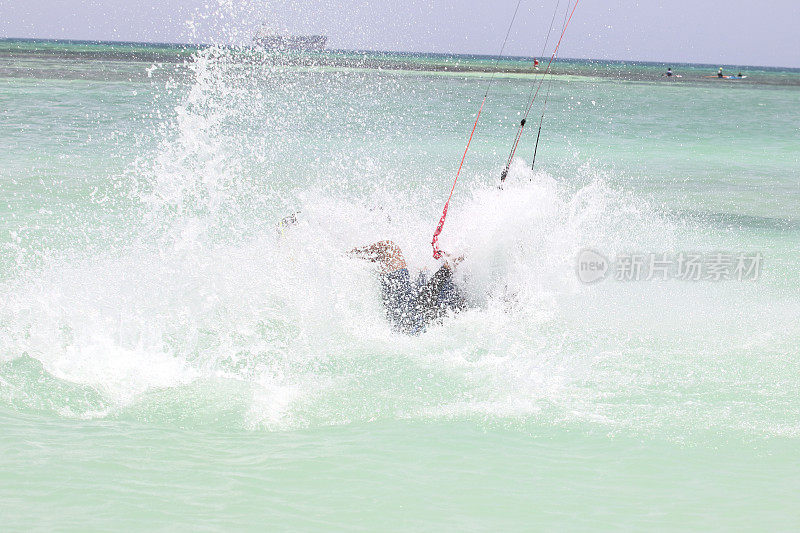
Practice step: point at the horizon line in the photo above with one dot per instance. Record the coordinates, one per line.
(446, 54)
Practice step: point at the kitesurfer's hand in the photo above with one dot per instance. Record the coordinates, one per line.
(451, 261)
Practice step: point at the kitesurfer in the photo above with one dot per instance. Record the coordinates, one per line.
(412, 306)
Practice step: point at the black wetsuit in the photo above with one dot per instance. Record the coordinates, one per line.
(410, 307)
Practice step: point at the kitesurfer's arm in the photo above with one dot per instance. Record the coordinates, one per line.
(386, 253)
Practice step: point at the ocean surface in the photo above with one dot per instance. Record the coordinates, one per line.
(170, 359)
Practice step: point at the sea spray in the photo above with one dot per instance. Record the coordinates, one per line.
(203, 312)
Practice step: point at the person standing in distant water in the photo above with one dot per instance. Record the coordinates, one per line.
(719, 72)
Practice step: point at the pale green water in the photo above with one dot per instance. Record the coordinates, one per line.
(167, 361)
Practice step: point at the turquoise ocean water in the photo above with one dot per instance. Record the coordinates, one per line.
(168, 359)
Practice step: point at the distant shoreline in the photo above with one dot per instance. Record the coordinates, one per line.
(21, 48)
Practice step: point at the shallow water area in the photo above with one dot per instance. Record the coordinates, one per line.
(378, 475)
